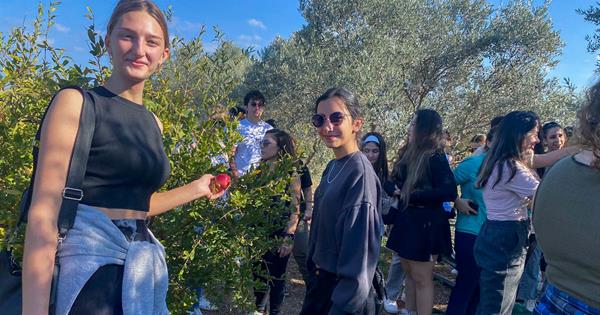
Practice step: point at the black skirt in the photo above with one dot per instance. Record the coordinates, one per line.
(420, 233)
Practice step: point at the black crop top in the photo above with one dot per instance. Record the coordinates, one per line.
(435, 186)
(127, 161)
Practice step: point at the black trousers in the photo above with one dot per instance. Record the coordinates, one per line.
(274, 268)
(102, 293)
(318, 295)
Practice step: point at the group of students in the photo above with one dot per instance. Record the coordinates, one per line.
(498, 259)
(112, 264)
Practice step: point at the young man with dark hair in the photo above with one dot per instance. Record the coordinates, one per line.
(253, 129)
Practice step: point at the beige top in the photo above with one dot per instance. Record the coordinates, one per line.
(566, 217)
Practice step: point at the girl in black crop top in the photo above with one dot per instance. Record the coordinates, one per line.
(422, 180)
(127, 163)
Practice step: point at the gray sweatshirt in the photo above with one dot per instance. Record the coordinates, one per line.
(345, 234)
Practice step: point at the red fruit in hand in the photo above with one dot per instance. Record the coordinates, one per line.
(220, 183)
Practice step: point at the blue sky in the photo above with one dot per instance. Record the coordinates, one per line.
(257, 22)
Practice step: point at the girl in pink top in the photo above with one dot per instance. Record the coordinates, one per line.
(508, 186)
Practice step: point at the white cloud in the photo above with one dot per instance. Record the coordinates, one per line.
(184, 26)
(257, 23)
(61, 28)
(245, 40)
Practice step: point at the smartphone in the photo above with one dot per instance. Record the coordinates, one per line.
(473, 205)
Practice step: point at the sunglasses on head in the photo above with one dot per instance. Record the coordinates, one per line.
(336, 119)
(257, 104)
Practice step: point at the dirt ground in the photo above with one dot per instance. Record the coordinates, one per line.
(296, 288)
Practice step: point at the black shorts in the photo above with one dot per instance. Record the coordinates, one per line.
(420, 233)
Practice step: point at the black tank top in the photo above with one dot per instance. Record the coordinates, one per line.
(127, 161)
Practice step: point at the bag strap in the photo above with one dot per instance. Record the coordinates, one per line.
(72, 193)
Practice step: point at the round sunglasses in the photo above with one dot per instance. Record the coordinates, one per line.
(257, 104)
(336, 119)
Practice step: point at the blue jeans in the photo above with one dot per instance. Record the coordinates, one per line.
(394, 285)
(500, 252)
(465, 294)
(532, 275)
(554, 301)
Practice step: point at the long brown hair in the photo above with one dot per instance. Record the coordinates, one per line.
(381, 165)
(284, 142)
(506, 147)
(413, 158)
(125, 6)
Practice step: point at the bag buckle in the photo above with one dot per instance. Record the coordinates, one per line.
(72, 194)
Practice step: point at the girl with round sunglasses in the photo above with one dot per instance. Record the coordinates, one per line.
(109, 261)
(276, 145)
(422, 180)
(344, 239)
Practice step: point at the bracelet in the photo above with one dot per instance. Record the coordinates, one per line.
(290, 235)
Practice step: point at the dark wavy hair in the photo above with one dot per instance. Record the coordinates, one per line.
(506, 148)
(285, 143)
(413, 158)
(349, 99)
(381, 165)
(254, 95)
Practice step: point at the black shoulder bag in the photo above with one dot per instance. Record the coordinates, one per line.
(10, 269)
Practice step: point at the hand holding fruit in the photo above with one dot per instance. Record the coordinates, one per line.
(206, 186)
(219, 183)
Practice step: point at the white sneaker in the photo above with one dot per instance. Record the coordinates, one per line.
(530, 305)
(255, 313)
(390, 306)
(205, 305)
(195, 311)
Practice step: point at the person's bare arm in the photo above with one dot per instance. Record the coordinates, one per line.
(548, 159)
(232, 165)
(309, 201)
(161, 202)
(295, 204)
(56, 144)
(286, 248)
(464, 207)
